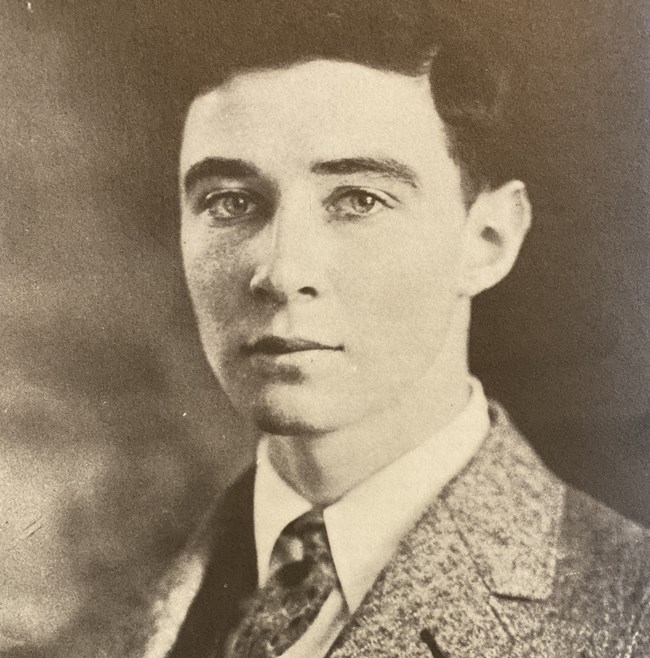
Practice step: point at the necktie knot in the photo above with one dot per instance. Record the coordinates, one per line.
(302, 577)
(294, 573)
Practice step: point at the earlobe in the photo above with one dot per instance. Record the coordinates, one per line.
(496, 226)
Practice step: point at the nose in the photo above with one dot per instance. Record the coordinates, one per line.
(288, 267)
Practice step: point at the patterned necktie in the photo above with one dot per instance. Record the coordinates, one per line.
(280, 613)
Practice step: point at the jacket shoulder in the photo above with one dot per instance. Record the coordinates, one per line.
(600, 594)
(603, 571)
(596, 538)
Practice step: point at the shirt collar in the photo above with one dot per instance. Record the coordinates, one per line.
(275, 505)
(365, 526)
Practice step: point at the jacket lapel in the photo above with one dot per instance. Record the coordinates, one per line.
(490, 535)
(230, 577)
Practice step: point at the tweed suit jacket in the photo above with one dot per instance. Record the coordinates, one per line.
(507, 562)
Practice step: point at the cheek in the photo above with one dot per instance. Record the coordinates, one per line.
(400, 295)
(213, 278)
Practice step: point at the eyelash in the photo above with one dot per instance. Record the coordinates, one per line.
(208, 200)
(385, 201)
(211, 198)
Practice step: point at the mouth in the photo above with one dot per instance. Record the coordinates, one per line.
(274, 345)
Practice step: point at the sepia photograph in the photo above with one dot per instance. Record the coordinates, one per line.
(325, 329)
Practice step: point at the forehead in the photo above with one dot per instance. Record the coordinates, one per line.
(313, 111)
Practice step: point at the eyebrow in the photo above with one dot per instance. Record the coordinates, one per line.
(235, 168)
(218, 167)
(383, 166)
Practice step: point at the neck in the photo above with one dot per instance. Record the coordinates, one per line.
(322, 468)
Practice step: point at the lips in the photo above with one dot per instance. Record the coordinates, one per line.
(274, 345)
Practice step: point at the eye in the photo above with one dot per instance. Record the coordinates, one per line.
(232, 204)
(358, 203)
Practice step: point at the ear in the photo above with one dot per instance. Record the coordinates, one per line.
(496, 226)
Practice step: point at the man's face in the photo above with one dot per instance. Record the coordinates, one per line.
(322, 224)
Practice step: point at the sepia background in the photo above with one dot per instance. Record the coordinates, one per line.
(113, 435)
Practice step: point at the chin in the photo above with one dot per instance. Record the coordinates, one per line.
(294, 414)
(271, 422)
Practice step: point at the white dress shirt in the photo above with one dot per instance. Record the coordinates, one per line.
(364, 526)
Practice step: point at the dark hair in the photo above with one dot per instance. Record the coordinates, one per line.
(210, 41)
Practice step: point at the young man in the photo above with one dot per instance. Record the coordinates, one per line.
(347, 187)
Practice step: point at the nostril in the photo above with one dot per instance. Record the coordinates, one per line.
(308, 291)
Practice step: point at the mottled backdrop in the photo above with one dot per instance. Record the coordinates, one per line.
(113, 435)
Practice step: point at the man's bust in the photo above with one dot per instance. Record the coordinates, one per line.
(348, 185)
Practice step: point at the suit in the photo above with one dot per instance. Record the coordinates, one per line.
(507, 561)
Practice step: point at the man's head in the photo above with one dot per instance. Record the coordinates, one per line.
(341, 204)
